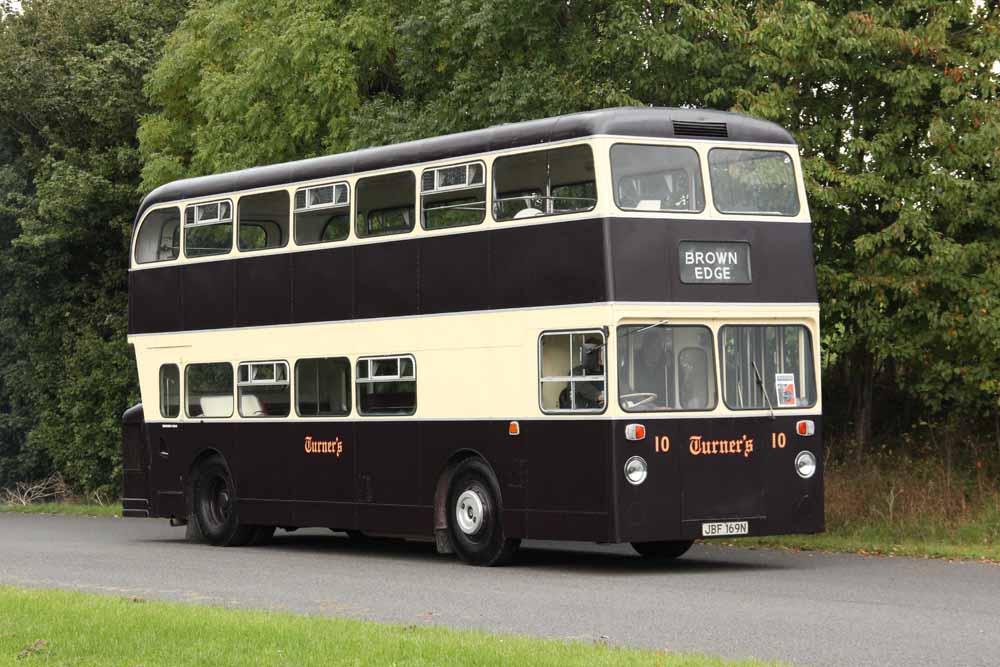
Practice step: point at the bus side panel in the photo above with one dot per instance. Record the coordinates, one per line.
(175, 449)
(207, 293)
(458, 275)
(568, 491)
(263, 290)
(323, 285)
(387, 486)
(506, 455)
(322, 459)
(155, 299)
(386, 279)
(544, 265)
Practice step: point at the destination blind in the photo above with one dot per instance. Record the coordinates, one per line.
(714, 262)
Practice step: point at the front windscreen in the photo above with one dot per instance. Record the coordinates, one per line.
(662, 368)
(767, 367)
(753, 182)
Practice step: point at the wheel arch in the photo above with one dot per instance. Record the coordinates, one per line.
(204, 455)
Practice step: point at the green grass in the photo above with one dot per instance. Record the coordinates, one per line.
(74, 509)
(62, 628)
(976, 539)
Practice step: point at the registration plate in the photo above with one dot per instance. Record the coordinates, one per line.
(722, 528)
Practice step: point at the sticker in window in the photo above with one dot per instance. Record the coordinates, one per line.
(784, 387)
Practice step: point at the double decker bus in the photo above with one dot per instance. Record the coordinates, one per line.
(596, 327)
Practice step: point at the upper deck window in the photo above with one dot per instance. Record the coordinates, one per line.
(549, 182)
(767, 367)
(753, 182)
(386, 204)
(322, 213)
(159, 238)
(453, 196)
(263, 221)
(657, 178)
(208, 229)
(663, 368)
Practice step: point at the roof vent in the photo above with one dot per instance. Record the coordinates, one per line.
(685, 128)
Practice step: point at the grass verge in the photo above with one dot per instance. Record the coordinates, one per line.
(914, 540)
(64, 628)
(895, 506)
(71, 508)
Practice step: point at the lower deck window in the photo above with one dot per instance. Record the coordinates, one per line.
(170, 391)
(323, 387)
(767, 367)
(387, 386)
(263, 389)
(663, 368)
(573, 377)
(209, 389)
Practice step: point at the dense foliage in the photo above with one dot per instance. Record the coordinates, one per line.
(70, 100)
(895, 106)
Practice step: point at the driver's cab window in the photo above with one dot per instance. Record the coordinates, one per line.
(573, 376)
(657, 178)
(549, 182)
(665, 368)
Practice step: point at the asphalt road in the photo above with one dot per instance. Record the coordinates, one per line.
(803, 608)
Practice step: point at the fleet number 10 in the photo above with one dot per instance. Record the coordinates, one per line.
(778, 441)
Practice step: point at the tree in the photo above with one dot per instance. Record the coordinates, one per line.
(896, 108)
(70, 99)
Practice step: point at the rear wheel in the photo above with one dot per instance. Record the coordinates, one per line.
(475, 516)
(662, 550)
(216, 506)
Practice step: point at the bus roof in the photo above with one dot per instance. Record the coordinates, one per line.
(623, 121)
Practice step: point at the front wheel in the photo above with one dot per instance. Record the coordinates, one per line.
(662, 550)
(474, 516)
(215, 506)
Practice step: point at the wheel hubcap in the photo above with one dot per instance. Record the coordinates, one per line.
(469, 512)
(222, 501)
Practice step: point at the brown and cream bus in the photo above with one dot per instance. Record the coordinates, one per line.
(601, 326)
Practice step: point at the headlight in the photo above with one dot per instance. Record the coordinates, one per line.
(635, 470)
(805, 464)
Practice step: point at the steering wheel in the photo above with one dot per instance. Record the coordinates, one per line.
(640, 398)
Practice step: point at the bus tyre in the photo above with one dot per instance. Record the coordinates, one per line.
(474, 516)
(216, 506)
(662, 550)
